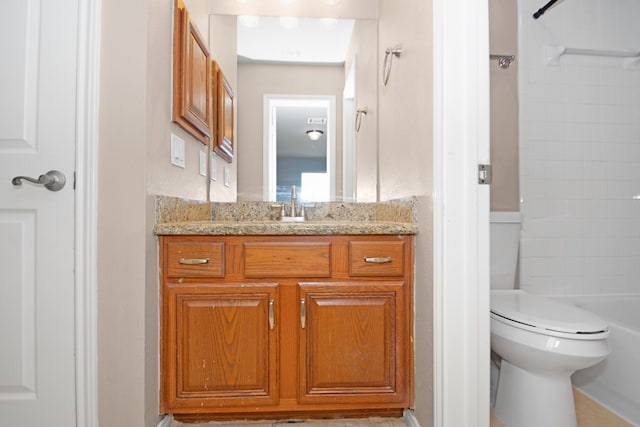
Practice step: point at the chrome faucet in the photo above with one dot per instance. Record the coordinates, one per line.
(294, 199)
(296, 214)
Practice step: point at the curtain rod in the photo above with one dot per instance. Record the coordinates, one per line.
(543, 9)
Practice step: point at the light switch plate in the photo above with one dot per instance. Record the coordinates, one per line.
(203, 163)
(213, 166)
(227, 177)
(177, 151)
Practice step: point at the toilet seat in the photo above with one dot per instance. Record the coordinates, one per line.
(545, 316)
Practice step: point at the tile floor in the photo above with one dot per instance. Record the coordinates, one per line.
(589, 414)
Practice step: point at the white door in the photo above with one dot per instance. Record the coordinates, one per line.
(38, 43)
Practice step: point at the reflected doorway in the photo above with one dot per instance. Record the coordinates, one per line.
(291, 156)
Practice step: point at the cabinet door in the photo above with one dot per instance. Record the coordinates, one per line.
(191, 77)
(221, 346)
(352, 344)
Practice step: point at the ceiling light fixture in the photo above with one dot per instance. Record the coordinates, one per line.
(288, 22)
(249, 21)
(329, 23)
(314, 134)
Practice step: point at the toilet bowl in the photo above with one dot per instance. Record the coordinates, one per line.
(540, 342)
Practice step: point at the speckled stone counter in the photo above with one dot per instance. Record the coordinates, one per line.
(182, 217)
(231, 228)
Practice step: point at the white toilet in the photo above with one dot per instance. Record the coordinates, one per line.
(540, 341)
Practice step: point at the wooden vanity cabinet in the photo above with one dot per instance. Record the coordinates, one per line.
(275, 326)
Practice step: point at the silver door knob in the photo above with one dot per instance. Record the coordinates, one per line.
(52, 180)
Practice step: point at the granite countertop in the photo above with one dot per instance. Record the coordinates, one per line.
(182, 217)
(233, 228)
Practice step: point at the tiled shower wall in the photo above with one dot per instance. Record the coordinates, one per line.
(580, 149)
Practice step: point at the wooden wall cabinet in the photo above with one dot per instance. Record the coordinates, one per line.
(280, 326)
(192, 106)
(225, 108)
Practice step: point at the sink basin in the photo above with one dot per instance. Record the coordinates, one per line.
(292, 219)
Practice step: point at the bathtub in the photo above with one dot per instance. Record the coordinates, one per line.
(615, 382)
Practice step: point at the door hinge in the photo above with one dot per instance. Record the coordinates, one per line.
(484, 174)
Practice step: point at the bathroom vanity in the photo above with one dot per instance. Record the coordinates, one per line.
(302, 321)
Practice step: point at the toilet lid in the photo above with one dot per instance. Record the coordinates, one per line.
(544, 313)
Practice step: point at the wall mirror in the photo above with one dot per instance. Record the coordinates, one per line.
(319, 66)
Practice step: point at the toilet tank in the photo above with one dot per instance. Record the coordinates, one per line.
(505, 239)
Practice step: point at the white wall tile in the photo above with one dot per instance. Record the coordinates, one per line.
(580, 150)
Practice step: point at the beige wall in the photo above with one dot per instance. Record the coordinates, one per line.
(405, 156)
(222, 42)
(363, 48)
(122, 226)
(135, 131)
(164, 178)
(405, 104)
(254, 81)
(135, 128)
(503, 40)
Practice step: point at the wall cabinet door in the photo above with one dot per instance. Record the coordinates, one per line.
(192, 109)
(221, 345)
(352, 346)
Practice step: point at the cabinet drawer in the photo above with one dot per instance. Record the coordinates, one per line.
(195, 259)
(376, 258)
(294, 259)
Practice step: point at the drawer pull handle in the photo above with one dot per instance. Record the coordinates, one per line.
(378, 260)
(303, 314)
(272, 315)
(194, 261)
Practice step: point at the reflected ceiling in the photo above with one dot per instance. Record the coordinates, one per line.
(268, 39)
(292, 126)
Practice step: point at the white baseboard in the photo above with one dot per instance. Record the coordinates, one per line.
(166, 421)
(410, 419)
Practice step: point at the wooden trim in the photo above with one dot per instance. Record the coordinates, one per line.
(460, 214)
(86, 221)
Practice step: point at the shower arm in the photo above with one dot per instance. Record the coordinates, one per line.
(543, 9)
